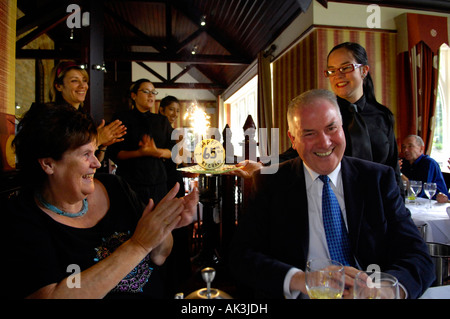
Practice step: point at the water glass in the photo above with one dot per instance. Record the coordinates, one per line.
(416, 188)
(375, 285)
(430, 190)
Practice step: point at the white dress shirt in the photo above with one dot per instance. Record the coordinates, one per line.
(318, 247)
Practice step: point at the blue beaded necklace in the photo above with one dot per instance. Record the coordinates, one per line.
(58, 211)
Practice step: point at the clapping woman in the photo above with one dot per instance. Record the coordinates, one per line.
(70, 83)
(69, 230)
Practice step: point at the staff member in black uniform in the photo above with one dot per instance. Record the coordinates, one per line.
(368, 125)
(139, 157)
(179, 262)
(170, 108)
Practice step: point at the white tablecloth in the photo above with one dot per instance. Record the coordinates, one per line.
(441, 292)
(436, 219)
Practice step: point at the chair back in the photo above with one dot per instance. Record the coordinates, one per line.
(423, 231)
(440, 253)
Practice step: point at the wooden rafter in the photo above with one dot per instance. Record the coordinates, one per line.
(52, 19)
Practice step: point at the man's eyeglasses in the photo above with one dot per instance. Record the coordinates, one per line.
(343, 69)
(149, 92)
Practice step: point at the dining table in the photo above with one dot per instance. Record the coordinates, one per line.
(434, 222)
(441, 292)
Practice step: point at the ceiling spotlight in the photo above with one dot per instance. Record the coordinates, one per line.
(194, 49)
(99, 67)
(203, 21)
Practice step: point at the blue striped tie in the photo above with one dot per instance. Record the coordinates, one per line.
(335, 230)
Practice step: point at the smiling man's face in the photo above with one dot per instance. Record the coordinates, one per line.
(317, 135)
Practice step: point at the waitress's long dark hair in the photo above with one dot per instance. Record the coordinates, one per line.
(360, 55)
(134, 88)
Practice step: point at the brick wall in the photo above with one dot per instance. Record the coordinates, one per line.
(25, 93)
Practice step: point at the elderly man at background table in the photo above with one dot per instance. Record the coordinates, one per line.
(283, 228)
(417, 166)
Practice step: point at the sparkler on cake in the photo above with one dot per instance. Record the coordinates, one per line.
(209, 154)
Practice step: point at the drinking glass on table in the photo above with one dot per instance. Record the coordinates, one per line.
(405, 188)
(416, 188)
(325, 279)
(375, 285)
(430, 190)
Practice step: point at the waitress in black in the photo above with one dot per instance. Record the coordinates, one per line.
(368, 125)
(140, 157)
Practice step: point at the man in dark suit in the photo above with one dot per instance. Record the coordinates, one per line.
(283, 228)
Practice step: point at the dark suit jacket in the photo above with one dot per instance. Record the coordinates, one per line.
(273, 236)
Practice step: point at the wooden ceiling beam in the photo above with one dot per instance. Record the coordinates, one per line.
(200, 86)
(186, 41)
(172, 58)
(218, 36)
(135, 30)
(45, 27)
(183, 72)
(48, 54)
(150, 70)
(324, 3)
(135, 57)
(42, 16)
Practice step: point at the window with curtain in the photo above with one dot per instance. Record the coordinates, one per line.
(243, 103)
(441, 140)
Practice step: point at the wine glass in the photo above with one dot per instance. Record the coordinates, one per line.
(416, 188)
(375, 285)
(325, 279)
(430, 190)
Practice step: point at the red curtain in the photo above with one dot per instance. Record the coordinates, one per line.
(418, 74)
(427, 76)
(406, 117)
